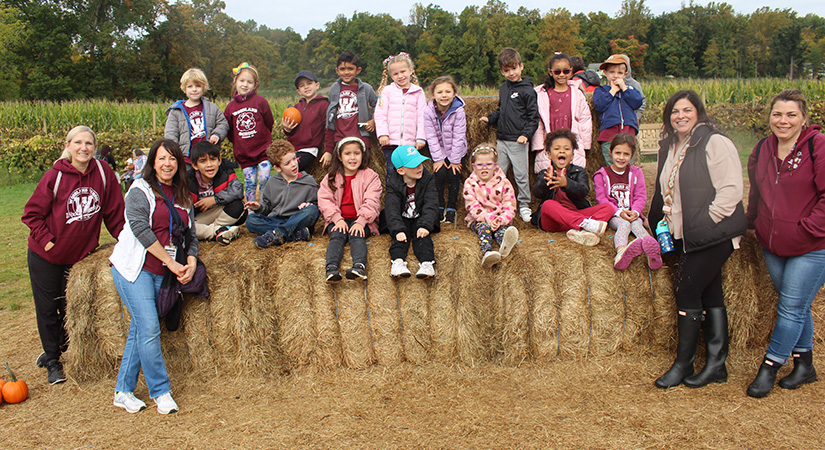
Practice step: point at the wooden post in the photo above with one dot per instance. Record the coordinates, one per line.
(154, 120)
(45, 130)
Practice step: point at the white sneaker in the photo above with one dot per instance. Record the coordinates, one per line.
(508, 242)
(594, 226)
(582, 237)
(490, 259)
(129, 402)
(399, 269)
(525, 213)
(425, 270)
(166, 405)
(227, 234)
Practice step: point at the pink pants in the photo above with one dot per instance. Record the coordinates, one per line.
(555, 217)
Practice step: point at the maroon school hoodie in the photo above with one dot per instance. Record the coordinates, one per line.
(310, 132)
(250, 128)
(786, 203)
(71, 217)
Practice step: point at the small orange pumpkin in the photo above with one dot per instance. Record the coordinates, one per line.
(2, 382)
(293, 114)
(14, 391)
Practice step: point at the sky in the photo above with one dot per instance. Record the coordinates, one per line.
(316, 13)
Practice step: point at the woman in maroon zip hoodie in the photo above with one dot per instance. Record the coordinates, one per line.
(787, 207)
(64, 214)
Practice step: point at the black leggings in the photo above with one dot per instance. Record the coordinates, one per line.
(698, 280)
(453, 185)
(49, 292)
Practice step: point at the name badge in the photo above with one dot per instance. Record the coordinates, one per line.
(172, 250)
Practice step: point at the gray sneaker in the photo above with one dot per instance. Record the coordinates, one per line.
(55, 368)
(129, 402)
(41, 360)
(357, 272)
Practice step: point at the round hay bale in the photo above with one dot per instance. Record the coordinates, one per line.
(538, 252)
(574, 307)
(607, 308)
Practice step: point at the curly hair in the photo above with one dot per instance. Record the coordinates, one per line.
(277, 150)
(561, 133)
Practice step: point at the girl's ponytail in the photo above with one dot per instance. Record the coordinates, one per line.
(383, 82)
(401, 57)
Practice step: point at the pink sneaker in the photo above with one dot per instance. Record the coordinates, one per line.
(625, 257)
(654, 253)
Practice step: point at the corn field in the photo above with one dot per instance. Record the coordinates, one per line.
(720, 91)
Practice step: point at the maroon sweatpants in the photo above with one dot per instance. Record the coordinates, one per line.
(555, 217)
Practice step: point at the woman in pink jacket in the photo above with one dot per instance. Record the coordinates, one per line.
(787, 207)
(622, 186)
(399, 115)
(349, 199)
(561, 105)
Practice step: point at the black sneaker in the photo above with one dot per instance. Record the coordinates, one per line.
(449, 216)
(268, 239)
(41, 360)
(358, 271)
(55, 369)
(333, 275)
(301, 235)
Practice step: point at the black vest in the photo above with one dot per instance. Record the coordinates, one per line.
(697, 193)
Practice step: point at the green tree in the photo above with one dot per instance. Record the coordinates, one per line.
(633, 19)
(634, 49)
(595, 32)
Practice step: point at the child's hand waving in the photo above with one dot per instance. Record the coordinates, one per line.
(556, 178)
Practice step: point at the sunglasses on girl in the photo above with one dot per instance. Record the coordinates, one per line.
(560, 71)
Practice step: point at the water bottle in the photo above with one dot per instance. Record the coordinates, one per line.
(664, 237)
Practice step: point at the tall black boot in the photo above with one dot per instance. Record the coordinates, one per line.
(803, 371)
(765, 378)
(716, 343)
(689, 322)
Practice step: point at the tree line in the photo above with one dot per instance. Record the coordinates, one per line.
(137, 49)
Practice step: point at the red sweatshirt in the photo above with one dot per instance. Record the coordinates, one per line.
(310, 132)
(787, 198)
(71, 217)
(250, 128)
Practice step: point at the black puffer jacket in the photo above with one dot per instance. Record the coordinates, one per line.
(578, 186)
(426, 203)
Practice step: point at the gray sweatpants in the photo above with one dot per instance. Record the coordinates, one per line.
(511, 152)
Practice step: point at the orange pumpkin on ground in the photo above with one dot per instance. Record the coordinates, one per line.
(293, 114)
(14, 391)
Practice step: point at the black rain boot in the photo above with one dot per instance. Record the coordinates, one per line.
(765, 378)
(803, 371)
(716, 343)
(689, 325)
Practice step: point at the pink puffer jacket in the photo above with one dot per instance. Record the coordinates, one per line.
(400, 116)
(582, 126)
(366, 193)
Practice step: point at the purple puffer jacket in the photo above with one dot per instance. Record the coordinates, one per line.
(447, 139)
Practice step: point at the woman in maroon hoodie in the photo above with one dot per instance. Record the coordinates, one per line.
(64, 214)
(787, 208)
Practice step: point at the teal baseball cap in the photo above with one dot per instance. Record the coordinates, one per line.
(407, 156)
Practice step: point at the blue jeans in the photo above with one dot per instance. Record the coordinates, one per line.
(798, 280)
(143, 343)
(286, 226)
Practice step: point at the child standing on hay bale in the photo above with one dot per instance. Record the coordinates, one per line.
(216, 193)
(350, 100)
(250, 129)
(307, 136)
(411, 211)
(196, 118)
(561, 105)
(399, 116)
(288, 208)
(563, 189)
(616, 103)
(350, 199)
(622, 186)
(446, 129)
(517, 121)
(491, 205)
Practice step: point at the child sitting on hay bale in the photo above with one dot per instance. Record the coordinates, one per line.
(491, 205)
(411, 211)
(350, 199)
(288, 208)
(622, 186)
(216, 193)
(563, 189)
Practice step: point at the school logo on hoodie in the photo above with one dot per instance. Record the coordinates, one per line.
(82, 205)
